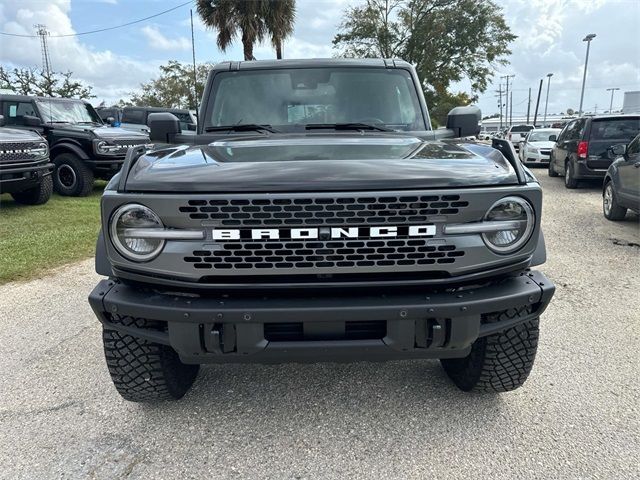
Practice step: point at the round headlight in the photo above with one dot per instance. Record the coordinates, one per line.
(130, 230)
(517, 211)
(101, 147)
(41, 149)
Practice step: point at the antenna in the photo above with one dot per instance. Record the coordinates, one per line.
(43, 33)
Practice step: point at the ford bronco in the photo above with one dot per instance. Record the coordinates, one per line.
(317, 216)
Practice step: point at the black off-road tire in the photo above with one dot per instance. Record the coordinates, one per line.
(37, 195)
(570, 180)
(613, 211)
(552, 172)
(72, 177)
(497, 363)
(144, 371)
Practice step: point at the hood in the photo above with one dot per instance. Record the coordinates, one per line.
(546, 144)
(117, 132)
(15, 135)
(319, 163)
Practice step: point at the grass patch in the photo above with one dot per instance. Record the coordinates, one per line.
(34, 239)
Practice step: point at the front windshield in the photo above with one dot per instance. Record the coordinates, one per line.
(55, 111)
(285, 98)
(543, 136)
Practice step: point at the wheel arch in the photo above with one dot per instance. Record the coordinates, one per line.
(66, 147)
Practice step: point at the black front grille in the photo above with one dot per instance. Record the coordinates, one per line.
(360, 210)
(15, 152)
(311, 255)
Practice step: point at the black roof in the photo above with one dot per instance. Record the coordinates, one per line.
(29, 98)
(313, 63)
(157, 109)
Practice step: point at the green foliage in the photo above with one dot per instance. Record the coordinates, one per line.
(252, 20)
(33, 81)
(446, 101)
(36, 238)
(173, 88)
(446, 40)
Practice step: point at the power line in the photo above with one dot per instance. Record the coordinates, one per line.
(102, 29)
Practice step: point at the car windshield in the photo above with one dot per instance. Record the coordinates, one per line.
(543, 136)
(284, 98)
(615, 129)
(55, 111)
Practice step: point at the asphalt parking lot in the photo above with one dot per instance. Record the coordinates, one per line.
(578, 416)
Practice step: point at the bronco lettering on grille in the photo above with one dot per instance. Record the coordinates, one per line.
(324, 233)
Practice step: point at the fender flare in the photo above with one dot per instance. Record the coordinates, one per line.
(103, 267)
(68, 147)
(540, 253)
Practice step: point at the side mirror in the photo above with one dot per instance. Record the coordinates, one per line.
(191, 127)
(31, 121)
(464, 121)
(2, 122)
(618, 150)
(163, 127)
(553, 138)
(111, 121)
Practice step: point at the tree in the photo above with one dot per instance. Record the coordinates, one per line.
(280, 16)
(174, 87)
(253, 20)
(446, 40)
(570, 111)
(32, 81)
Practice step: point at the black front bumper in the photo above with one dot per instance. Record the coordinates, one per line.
(280, 328)
(17, 178)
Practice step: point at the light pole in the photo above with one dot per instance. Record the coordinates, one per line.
(612, 90)
(587, 39)
(546, 103)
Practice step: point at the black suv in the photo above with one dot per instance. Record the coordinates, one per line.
(135, 118)
(25, 170)
(81, 146)
(582, 150)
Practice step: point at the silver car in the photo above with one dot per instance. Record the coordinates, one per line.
(536, 147)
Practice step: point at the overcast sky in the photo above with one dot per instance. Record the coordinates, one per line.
(549, 40)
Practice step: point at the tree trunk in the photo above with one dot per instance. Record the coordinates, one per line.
(279, 50)
(247, 45)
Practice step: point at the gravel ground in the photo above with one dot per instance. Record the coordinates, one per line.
(576, 417)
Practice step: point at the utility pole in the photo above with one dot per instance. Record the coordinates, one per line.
(587, 39)
(506, 111)
(500, 103)
(195, 75)
(546, 103)
(612, 91)
(529, 106)
(535, 115)
(43, 33)
(511, 109)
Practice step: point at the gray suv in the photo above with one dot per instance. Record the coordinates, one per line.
(305, 222)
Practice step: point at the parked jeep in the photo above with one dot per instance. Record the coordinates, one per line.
(25, 170)
(81, 146)
(317, 216)
(582, 150)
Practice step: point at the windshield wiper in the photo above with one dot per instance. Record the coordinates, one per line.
(245, 127)
(347, 126)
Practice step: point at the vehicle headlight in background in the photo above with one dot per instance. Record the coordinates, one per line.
(105, 148)
(134, 232)
(519, 215)
(41, 150)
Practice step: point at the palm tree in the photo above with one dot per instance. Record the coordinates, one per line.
(229, 17)
(252, 19)
(280, 16)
